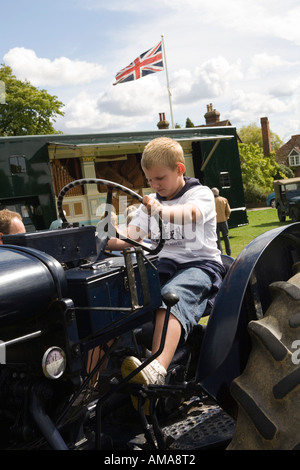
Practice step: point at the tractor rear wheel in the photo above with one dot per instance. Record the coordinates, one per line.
(268, 391)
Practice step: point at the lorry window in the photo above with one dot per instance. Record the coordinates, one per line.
(224, 178)
(17, 164)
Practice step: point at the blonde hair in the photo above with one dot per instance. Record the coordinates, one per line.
(162, 151)
(6, 217)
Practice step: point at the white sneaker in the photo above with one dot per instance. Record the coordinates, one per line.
(153, 373)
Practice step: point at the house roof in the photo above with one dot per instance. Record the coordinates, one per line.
(226, 122)
(295, 150)
(284, 151)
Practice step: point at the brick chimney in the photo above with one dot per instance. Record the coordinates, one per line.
(211, 116)
(162, 123)
(266, 136)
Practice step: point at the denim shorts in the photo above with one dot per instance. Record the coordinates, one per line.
(193, 287)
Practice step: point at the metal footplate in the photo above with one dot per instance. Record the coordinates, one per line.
(204, 427)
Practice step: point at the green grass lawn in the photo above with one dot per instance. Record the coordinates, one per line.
(260, 221)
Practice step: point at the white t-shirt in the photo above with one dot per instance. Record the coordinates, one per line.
(190, 241)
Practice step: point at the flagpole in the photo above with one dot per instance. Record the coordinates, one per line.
(168, 86)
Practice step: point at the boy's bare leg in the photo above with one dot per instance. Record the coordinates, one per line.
(172, 337)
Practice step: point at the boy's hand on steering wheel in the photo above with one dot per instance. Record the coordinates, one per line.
(152, 205)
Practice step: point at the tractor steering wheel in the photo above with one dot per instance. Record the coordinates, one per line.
(108, 226)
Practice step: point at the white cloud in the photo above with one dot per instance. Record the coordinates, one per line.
(208, 81)
(284, 23)
(136, 98)
(247, 107)
(241, 56)
(288, 87)
(263, 63)
(45, 72)
(260, 17)
(123, 106)
(293, 125)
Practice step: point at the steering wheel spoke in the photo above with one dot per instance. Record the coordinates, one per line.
(108, 228)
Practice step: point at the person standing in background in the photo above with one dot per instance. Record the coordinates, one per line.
(223, 213)
(57, 223)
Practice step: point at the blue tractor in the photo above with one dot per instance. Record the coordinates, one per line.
(70, 312)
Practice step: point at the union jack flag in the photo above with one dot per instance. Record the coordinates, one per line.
(150, 61)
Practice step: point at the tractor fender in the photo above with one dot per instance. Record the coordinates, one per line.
(226, 344)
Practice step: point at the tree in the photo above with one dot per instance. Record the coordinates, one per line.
(27, 110)
(258, 172)
(189, 123)
(252, 134)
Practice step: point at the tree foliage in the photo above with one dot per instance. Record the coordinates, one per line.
(27, 110)
(189, 123)
(252, 134)
(258, 172)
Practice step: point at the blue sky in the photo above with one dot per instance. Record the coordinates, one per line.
(241, 56)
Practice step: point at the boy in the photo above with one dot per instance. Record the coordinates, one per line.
(189, 263)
